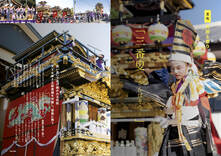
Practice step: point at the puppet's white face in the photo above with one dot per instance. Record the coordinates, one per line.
(179, 69)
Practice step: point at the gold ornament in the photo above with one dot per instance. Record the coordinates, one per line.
(68, 116)
(86, 147)
(96, 90)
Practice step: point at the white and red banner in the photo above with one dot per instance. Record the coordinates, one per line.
(28, 128)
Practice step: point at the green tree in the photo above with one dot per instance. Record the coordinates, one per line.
(56, 8)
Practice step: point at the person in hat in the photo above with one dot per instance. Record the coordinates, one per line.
(188, 131)
(100, 61)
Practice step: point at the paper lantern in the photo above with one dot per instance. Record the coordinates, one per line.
(158, 32)
(200, 49)
(121, 34)
(211, 57)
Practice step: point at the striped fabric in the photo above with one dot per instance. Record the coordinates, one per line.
(190, 91)
(172, 146)
(193, 84)
(184, 37)
(211, 87)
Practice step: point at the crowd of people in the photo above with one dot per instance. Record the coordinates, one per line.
(15, 13)
(77, 18)
(18, 13)
(95, 16)
(50, 19)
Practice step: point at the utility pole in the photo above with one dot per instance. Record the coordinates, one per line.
(74, 7)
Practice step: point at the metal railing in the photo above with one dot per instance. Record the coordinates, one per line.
(21, 65)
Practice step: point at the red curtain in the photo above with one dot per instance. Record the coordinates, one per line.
(26, 115)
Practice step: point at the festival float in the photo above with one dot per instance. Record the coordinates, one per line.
(55, 14)
(58, 100)
(43, 10)
(142, 40)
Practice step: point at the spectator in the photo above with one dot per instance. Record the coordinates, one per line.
(100, 61)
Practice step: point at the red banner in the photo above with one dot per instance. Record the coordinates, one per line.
(31, 123)
(140, 36)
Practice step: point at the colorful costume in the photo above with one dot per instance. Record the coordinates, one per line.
(188, 111)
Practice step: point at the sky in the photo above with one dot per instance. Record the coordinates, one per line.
(196, 15)
(61, 3)
(81, 5)
(92, 34)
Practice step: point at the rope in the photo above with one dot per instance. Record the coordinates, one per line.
(21, 146)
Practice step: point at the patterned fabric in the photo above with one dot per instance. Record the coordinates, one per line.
(180, 140)
(211, 87)
(184, 37)
(185, 93)
(192, 87)
(172, 146)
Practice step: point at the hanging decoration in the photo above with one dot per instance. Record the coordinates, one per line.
(211, 57)
(200, 49)
(15, 143)
(140, 35)
(121, 34)
(24, 111)
(158, 32)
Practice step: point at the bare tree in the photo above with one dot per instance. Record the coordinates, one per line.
(99, 7)
(42, 3)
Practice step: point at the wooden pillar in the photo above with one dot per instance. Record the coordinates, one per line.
(155, 137)
(69, 118)
(63, 124)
